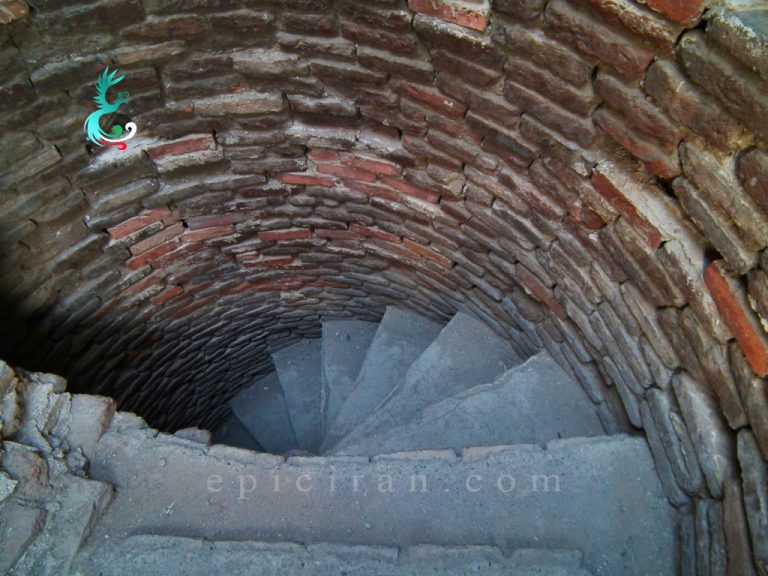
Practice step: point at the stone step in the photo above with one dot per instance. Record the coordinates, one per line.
(72, 515)
(598, 495)
(345, 343)
(298, 368)
(152, 555)
(400, 338)
(466, 353)
(232, 433)
(263, 411)
(531, 404)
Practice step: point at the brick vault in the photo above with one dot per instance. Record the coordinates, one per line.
(585, 177)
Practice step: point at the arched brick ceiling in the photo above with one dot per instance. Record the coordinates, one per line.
(585, 176)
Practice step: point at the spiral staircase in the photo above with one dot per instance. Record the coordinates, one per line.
(398, 448)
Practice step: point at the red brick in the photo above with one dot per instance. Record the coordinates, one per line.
(336, 234)
(374, 233)
(346, 172)
(167, 295)
(181, 252)
(626, 208)
(661, 162)
(138, 222)
(586, 217)
(683, 11)
(307, 180)
(372, 189)
(211, 220)
(575, 23)
(267, 262)
(431, 97)
(323, 155)
(207, 233)
(155, 278)
(737, 316)
(380, 167)
(156, 239)
(427, 253)
(285, 234)
(411, 190)
(467, 14)
(194, 143)
(151, 255)
(539, 290)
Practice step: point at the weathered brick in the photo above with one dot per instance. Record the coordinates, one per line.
(691, 107)
(306, 179)
(286, 234)
(738, 317)
(242, 103)
(684, 12)
(716, 182)
(138, 222)
(639, 113)
(430, 97)
(427, 253)
(752, 170)
(580, 101)
(470, 14)
(161, 27)
(149, 256)
(522, 9)
(580, 28)
(156, 239)
(341, 171)
(655, 158)
(467, 43)
(740, 91)
(193, 143)
(657, 33)
(719, 230)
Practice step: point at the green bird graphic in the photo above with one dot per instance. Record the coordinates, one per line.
(93, 130)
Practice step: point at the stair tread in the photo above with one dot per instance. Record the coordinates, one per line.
(232, 433)
(609, 505)
(465, 353)
(532, 403)
(263, 411)
(152, 555)
(400, 338)
(345, 343)
(298, 368)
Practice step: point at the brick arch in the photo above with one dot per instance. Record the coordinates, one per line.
(589, 177)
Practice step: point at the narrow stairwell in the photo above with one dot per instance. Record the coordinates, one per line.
(401, 448)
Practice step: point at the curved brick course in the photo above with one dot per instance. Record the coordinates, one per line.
(589, 177)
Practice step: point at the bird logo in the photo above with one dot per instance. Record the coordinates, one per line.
(117, 136)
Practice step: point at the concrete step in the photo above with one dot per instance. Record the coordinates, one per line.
(263, 411)
(531, 404)
(400, 338)
(233, 433)
(345, 343)
(466, 353)
(152, 555)
(598, 495)
(298, 368)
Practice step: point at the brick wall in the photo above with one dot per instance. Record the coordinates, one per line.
(585, 176)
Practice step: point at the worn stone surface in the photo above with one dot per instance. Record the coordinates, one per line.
(464, 354)
(376, 520)
(344, 347)
(530, 404)
(400, 339)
